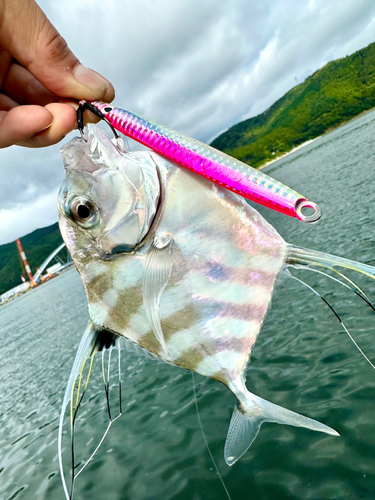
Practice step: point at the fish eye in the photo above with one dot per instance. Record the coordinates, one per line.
(107, 109)
(83, 211)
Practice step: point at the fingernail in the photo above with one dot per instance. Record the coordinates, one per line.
(89, 78)
(45, 128)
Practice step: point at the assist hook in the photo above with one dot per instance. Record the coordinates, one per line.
(83, 105)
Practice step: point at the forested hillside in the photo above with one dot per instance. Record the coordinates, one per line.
(37, 245)
(332, 95)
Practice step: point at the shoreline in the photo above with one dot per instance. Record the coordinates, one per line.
(289, 152)
(364, 112)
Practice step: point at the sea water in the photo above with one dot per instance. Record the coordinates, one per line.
(303, 361)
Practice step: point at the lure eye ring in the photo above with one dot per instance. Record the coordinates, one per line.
(314, 217)
(83, 211)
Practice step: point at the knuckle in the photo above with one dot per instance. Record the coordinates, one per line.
(54, 45)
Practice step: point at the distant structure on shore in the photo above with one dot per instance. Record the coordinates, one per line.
(61, 261)
(24, 264)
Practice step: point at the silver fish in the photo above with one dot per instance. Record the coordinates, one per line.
(181, 268)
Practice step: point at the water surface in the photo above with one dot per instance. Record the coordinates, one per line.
(302, 361)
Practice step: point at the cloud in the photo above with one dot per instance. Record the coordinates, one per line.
(15, 222)
(27, 174)
(199, 66)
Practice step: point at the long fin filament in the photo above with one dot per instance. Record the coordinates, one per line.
(205, 439)
(108, 404)
(306, 257)
(358, 291)
(92, 342)
(111, 420)
(338, 317)
(355, 288)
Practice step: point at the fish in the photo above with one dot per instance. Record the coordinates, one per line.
(178, 268)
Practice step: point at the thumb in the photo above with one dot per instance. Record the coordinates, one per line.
(28, 35)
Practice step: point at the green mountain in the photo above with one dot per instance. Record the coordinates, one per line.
(331, 96)
(37, 245)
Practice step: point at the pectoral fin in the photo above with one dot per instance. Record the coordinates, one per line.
(157, 273)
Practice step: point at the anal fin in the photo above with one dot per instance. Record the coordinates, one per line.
(246, 422)
(93, 341)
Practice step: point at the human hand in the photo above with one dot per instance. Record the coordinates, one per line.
(40, 78)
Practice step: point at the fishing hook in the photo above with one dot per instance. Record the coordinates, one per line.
(83, 106)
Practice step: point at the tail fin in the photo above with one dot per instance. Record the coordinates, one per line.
(246, 422)
(304, 257)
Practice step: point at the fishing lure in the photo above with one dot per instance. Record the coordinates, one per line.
(182, 282)
(204, 160)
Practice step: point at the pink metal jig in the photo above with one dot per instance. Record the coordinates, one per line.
(206, 161)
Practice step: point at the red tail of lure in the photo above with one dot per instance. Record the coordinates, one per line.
(204, 160)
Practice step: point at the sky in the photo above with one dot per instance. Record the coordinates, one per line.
(198, 66)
